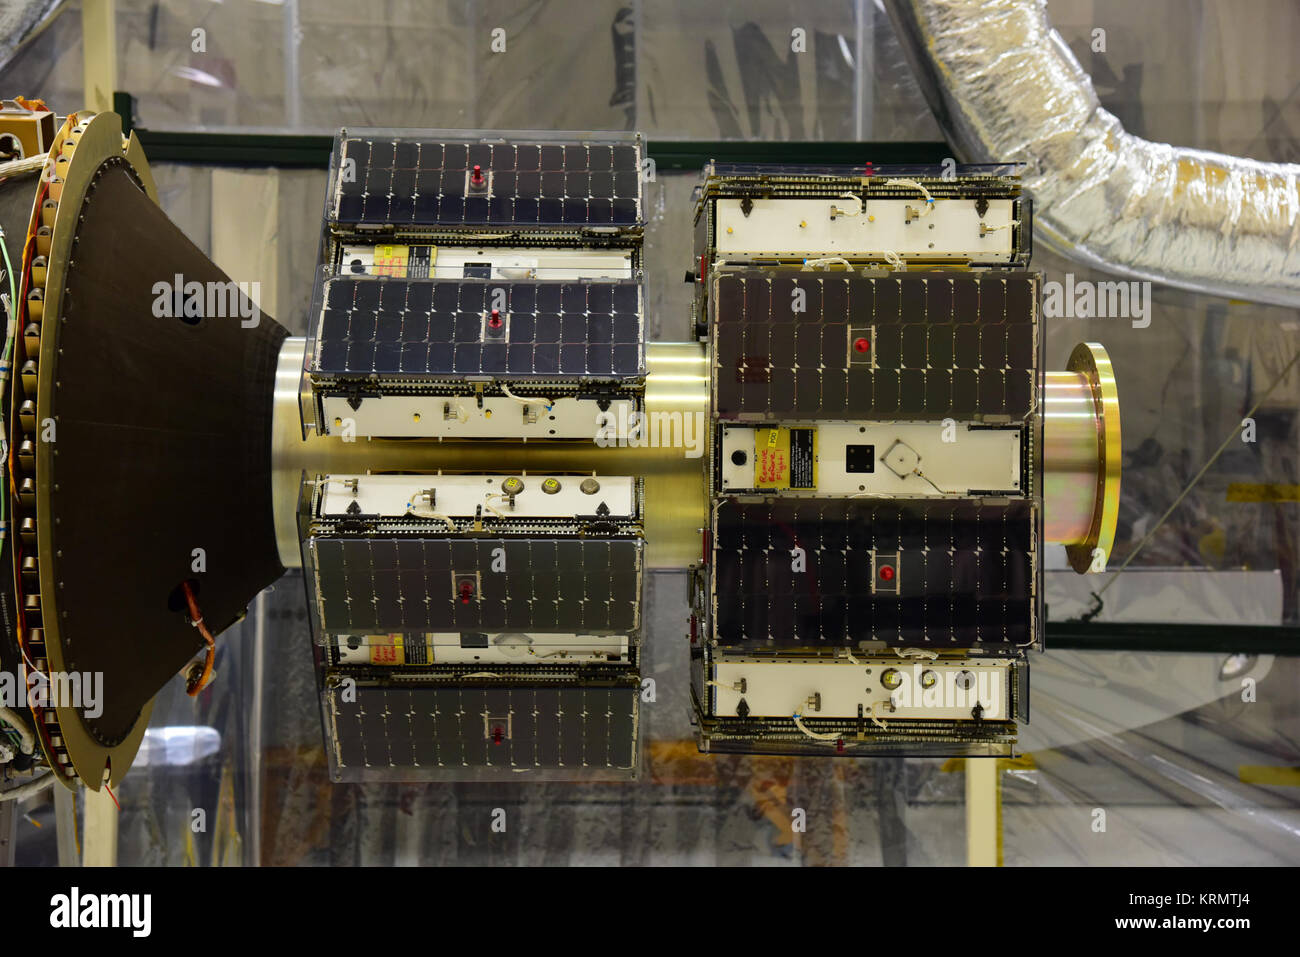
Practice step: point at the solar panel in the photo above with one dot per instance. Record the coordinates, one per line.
(521, 726)
(423, 181)
(959, 572)
(393, 584)
(393, 327)
(921, 346)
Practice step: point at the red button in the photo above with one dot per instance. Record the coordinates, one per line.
(495, 321)
(887, 572)
(861, 345)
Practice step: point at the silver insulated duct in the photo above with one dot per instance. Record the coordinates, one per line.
(1004, 86)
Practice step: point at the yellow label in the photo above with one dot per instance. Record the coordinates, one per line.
(772, 464)
(391, 260)
(386, 649)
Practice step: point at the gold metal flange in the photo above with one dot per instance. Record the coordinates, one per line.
(83, 146)
(1091, 361)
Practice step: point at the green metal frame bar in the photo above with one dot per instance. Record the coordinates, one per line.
(1222, 639)
(313, 151)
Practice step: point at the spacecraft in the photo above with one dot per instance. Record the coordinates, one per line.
(478, 455)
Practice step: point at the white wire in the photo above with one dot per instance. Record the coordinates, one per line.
(1006, 225)
(24, 165)
(536, 400)
(827, 261)
(11, 717)
(432, 514)
(23, 791)
(929, 200)
(916, 653)
(815, 735)
(894, 260)
(836, 211)
(917, 471)
(878, 722)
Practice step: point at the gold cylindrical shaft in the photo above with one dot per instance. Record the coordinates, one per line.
(1071, 458)
(677, 381)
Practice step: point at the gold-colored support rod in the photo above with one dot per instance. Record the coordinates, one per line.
(677, 380)
(1081, 456)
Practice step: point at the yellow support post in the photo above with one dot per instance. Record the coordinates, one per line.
(99, 53)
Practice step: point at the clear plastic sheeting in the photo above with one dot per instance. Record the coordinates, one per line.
(1009, 88)
(1130, 758)
(19, 22)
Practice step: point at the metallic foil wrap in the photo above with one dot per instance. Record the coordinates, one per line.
(1004, 86)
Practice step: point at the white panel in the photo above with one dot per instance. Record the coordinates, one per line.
(430, 417)
(803, 228)
(781, 688)
(511, 262)
(511, 648)
(979, 459)
(460, 496)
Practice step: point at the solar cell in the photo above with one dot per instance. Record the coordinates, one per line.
(519, 726)
(425, 182)
(394, 328)
(923, 346)
(960, 572)
(392, 584)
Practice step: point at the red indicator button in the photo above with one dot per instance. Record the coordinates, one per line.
(495, 320)
(861, 345)
(887, 573)
(476, 177)
(466, 592)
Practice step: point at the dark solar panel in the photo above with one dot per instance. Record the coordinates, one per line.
(586, 586)
(434, 183)
(961, 572)
(395, 327)
(915, 345)
(514, 727)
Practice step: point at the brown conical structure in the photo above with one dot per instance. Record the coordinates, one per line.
(149, 448)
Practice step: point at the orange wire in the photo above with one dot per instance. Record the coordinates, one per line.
(194, 686)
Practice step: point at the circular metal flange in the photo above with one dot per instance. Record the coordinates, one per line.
(1091, 360)
(87, 144)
